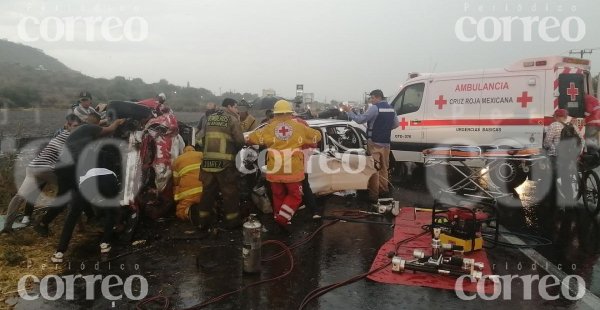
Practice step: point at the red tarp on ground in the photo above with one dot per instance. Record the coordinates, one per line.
(407, 226)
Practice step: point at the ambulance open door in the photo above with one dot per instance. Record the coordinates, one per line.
(408, 138)
(571, 90)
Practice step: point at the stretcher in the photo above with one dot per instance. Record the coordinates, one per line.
(456, 157)
(469, 192)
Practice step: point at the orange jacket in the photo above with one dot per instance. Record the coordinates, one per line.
(285, 137)
(186, 174)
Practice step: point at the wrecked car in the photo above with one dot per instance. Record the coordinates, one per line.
(341, 162)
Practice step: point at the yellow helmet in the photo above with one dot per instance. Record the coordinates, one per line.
(282, 106)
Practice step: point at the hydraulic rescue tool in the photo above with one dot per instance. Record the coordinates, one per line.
(445, 259)
(463, 228)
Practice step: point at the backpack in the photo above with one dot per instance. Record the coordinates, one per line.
(570, 141)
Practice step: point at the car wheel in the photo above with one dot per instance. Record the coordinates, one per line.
(507, 175)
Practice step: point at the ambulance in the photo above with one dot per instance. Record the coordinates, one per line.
(506, 107)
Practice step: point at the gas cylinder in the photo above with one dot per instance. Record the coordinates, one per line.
(251, 247)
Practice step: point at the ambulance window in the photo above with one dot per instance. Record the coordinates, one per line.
(409, 100)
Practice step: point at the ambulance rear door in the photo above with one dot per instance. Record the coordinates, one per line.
(572, 87)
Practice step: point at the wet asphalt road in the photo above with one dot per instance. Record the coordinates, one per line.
(188, 272)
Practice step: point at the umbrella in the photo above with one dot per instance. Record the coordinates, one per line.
(127, 109)
(264, 103)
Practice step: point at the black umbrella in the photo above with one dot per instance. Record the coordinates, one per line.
(127, 109)
(264, 103)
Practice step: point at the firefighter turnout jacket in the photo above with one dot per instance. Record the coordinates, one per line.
(187, 187)
(285, 137)
(222, 141)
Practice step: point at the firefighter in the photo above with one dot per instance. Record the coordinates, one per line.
(187, 187)
(222, 141)
(284, 137)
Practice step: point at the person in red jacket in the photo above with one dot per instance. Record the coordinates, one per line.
(592, 123)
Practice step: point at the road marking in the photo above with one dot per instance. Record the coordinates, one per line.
(588, 298)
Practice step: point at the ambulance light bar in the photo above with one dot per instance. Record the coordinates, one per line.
(576, 61)
(538, 63)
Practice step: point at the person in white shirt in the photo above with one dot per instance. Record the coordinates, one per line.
(84, 108)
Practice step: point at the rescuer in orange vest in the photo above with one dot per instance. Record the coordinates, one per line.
(187, 187)
(284, 138)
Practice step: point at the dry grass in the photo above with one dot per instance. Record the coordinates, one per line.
(24, 252)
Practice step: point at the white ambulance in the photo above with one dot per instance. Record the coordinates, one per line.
(503, 107)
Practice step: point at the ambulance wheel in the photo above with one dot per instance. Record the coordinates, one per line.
(508, 175)
(396, 171)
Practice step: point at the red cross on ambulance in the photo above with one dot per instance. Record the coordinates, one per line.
(524, 99)
(403, 123)
(572, 91)
(440, 102)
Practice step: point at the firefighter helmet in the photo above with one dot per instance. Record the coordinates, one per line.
(282, 106)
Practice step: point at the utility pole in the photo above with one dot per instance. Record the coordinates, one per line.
(581, 52)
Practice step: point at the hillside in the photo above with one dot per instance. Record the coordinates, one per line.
(14, 53)
(30, 78)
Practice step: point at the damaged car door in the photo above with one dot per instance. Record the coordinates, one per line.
(343, 163)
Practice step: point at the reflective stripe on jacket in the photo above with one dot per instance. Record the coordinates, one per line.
(222, 140)
(186, 174)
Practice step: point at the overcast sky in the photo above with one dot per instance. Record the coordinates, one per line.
(337, 48)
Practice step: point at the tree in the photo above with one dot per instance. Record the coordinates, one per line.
(22, 96)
